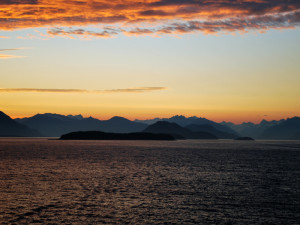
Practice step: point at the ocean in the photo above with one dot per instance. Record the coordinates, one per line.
(149, 182)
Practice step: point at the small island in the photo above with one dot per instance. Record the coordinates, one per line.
(244, 139)
(98, 135)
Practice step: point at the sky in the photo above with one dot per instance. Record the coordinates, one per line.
(224, 60)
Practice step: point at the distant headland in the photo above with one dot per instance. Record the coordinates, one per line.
(244, 139)
(98, 135)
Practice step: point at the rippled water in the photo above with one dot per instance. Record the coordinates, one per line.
(149, 182)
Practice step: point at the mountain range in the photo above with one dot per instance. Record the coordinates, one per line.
(285, 129)
(186, 121)
(11, 128)
(55, 125)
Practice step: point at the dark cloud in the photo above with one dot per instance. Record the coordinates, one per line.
(175, 2)
(16, 2)
(154, 13)
(81, 32)
(230, 25)
(139, 31)
(255, 6)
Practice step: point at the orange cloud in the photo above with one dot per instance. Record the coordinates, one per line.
(149, 16)
(3, 56)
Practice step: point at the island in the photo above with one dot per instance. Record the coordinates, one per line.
(98, 135)
(244, 139)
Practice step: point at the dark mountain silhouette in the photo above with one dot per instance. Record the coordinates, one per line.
(185, 121)
(98, 135)
(296, 136)
(177, 131)
(54, 125)
(121, 125)
(11, 128)
(212, 130)
(251, 129)
(150, 121)
(78, 117)
(288, 129)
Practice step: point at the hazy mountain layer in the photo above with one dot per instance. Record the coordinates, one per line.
(288, 129)
(177, 131)
(212, 130)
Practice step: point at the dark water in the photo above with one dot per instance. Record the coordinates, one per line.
(149, 182)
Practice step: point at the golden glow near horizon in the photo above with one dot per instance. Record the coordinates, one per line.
(150, 105)
(154, 58)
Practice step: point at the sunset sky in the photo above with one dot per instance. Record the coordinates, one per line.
(226, 60)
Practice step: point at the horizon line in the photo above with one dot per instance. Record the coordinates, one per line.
(85, 117)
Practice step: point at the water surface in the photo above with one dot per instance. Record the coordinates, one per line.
(149, 182)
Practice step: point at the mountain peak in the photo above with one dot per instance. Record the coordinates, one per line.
(11, 128)
(165, 123)
(178, 117)
(77, 117)
(118, 118)
(3, 116)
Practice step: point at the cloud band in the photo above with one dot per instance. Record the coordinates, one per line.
(125, 90)
(156, 17)
(4, 56)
